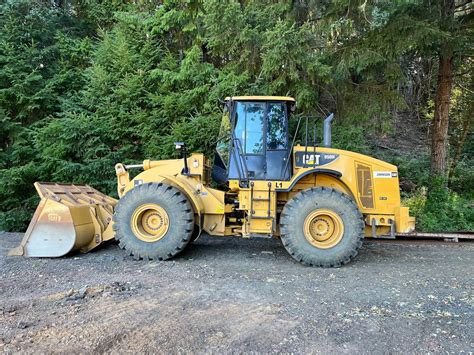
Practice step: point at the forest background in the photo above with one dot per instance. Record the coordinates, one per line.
(86, 84)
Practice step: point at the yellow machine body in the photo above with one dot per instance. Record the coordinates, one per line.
(208, 203)
(372, 183)
(73, 217)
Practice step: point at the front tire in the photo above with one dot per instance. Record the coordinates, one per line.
(153, 221)
(322, 227)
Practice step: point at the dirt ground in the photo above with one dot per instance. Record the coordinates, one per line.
(235, 295)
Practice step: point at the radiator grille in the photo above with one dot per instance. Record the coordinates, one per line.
(364, 185)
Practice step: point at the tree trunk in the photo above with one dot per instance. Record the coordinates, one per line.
(439, 133)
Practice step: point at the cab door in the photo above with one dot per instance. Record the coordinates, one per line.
(249, 130)
(276, 148)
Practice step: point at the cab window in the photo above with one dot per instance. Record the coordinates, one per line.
(249, 126)
(276, 131)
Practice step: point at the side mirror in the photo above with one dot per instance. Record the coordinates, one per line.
(181, 146)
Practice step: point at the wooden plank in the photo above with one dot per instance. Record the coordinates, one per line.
(452, 236)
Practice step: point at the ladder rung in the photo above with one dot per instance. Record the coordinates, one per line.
(260, 199)
(261, 217)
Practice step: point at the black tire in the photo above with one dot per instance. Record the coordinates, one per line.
(301, 206)
(180, 215)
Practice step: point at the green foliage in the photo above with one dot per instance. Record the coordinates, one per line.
(441, 210)
(41, 53)
(436, 207)
(416, 168)
(351, 138)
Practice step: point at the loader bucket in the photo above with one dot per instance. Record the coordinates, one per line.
(68, 218)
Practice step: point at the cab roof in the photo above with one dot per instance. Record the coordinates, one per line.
(260, 98)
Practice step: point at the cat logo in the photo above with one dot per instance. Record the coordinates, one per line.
(54, 217)
(311, 159)
(307, 159)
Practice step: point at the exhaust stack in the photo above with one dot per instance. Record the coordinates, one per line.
(327, 131)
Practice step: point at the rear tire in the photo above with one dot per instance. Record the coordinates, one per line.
(322, 227)
(153, 221)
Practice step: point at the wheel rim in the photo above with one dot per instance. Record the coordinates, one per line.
(323, 228)
(150, 222)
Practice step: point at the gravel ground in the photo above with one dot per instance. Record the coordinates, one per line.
(236, 295)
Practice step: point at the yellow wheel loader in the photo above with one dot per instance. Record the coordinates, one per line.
(320, 201)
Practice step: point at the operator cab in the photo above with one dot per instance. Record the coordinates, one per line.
(259, 147)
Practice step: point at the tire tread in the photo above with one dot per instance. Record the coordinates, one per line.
(292, 244)
(182, 231)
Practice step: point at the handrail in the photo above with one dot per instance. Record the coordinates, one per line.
(326, 136)
(242, 162)
(236, 156)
